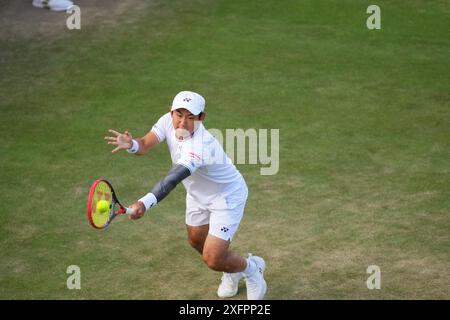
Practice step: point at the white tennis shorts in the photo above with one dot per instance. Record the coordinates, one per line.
(223, 215)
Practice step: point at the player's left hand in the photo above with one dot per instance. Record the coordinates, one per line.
(139, 210)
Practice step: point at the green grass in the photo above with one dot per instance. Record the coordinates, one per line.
(364, 148)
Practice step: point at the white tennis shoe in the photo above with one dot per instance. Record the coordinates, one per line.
(256, 285)
(230, 284)
(54, 5)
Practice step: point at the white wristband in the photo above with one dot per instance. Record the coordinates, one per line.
(149, 200)
(134, 147)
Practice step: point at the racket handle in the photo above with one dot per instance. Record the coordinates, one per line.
(129, 210)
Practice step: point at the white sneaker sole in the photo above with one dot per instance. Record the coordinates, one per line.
(224, 296)
(50, 7)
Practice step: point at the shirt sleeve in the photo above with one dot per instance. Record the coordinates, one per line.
(160, 127)
(191, 160)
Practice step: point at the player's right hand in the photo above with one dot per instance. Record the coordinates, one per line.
(121, 140)
(139, 210)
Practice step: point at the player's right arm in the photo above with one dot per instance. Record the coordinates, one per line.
(124, 141)
(176, 174)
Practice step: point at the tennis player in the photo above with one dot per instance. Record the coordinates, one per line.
(216, 191)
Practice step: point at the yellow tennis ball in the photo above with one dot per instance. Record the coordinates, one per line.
(102, 206)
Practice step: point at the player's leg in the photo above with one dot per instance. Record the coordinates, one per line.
(197, 223)
(226, 215)
(223, 225)
(218, 257)
(197, 236)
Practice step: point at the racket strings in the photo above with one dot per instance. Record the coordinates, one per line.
(102, 192)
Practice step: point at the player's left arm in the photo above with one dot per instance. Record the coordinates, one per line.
(176, 174)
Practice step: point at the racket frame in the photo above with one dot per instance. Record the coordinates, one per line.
(113, 213)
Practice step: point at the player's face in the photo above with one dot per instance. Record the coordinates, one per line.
(184, 122)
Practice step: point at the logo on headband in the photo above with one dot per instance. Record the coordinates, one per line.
(187, 99)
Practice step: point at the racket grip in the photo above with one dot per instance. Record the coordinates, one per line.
(129, 210)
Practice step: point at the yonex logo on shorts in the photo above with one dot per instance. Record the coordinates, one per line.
(224, 229)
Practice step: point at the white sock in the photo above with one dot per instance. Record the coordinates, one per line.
(251, 267)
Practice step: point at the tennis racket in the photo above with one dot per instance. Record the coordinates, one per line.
(101, 189)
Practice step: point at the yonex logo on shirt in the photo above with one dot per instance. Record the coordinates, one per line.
(194, 155)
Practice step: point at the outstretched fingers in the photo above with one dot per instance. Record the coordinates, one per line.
(119, 139)
(114, 132)
(115, 150)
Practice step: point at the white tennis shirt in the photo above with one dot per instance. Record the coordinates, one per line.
(213, 173)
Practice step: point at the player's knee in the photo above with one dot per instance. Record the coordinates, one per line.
(196, 244)
(213, 261)
(192, 242)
